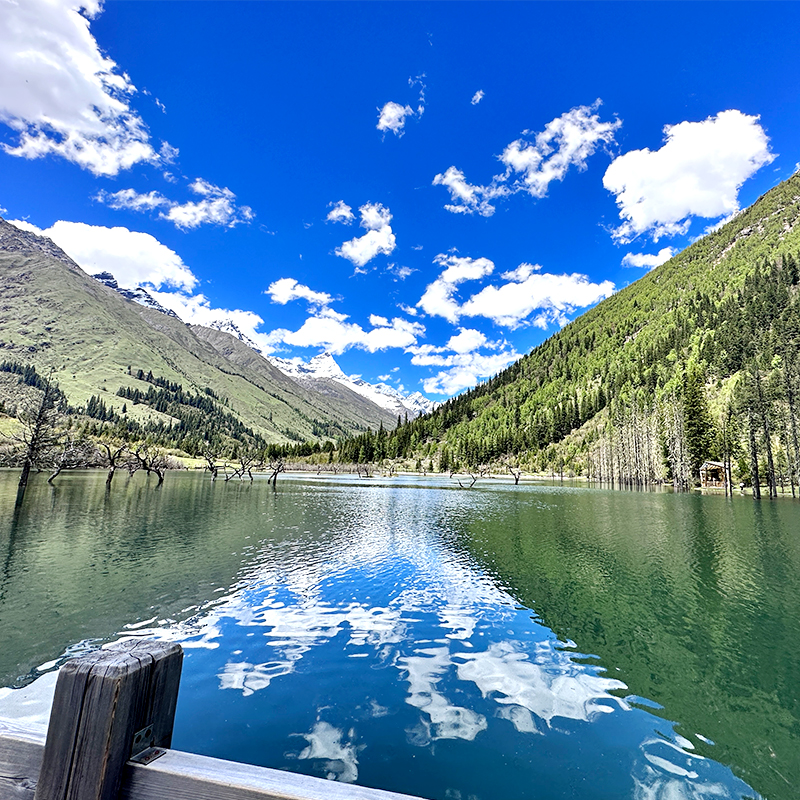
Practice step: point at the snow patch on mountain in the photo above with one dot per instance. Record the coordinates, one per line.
(138, 295)
(226, 326)
(324, 366)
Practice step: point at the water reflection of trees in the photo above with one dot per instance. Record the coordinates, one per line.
(694, 599)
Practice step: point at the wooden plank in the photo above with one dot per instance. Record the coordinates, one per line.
(176, 775)
(185, 776)
(101, 701)
(162, 695)
(21, 750)
(65, 716)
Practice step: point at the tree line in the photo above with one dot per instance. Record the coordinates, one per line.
(643, 390)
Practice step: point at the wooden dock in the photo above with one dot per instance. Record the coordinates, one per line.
(109, 737)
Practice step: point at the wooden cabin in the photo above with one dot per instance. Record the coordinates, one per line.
(712, 473)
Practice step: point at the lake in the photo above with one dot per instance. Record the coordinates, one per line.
(495, 643)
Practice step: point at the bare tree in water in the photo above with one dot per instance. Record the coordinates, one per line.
(40, 436)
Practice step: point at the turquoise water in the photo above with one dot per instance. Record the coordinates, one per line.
(497, 643)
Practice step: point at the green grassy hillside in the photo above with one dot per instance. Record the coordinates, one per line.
(671, 361)
(92, 342)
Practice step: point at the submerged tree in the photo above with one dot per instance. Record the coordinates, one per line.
(40, 436)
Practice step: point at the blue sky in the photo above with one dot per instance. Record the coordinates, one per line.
(426, 190)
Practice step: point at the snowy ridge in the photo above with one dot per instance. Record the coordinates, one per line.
(226, 326)
(324, 366)
(138, 295)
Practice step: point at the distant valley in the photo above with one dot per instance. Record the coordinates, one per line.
(93, 337)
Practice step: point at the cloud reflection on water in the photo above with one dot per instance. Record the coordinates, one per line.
(458, 641)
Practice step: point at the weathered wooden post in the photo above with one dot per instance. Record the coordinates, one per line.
(108, 706)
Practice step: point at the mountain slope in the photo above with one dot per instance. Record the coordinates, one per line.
(90, 338)
(724, 308)
(346, 407)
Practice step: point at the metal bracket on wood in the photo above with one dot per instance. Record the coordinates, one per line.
(148, 756)
(142, 740)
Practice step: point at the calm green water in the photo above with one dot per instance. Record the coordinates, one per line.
(495, 643)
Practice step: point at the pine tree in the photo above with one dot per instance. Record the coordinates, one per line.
(697, 419)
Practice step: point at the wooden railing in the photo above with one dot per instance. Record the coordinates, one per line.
(109, 736)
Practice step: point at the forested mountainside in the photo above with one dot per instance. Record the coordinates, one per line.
(696, 360)
(177, 384)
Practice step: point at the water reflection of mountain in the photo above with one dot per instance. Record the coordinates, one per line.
(695, 600)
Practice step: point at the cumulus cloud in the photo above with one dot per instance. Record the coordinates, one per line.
(466, 340)
(522, 272)
(60, 94)
(697, 173)
(379, 237)
(477, 97)
(330, 330)
(468, 198)
(553, 296)
(647, 260)
(392, 117)
(285, 290)
(531, 166)
(133, 258)
(340, 212)
(527, 290)
(400, 271)
(464, 370)
(439, 297)
(218, 206)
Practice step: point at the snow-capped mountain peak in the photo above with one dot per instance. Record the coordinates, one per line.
(226, 326)
(138, 295)
(324, 366)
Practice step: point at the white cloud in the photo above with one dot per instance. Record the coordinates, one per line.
(60, 94)
(477, 97)
(439, 297)
(197, 310)
(565, 142)
(392, 117)
(467, 198)
(555, 296)
(400, 272)
(697, 173)
(167, 152)
(328, 329)
(648, 261)
(522, 272)
(379, 237)
(531, 167)
(285, 290)
(364, 248)
(217, 208)
(340, 212)
(466, 340)
(131, 200)
(133, 258)
(464, 370)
